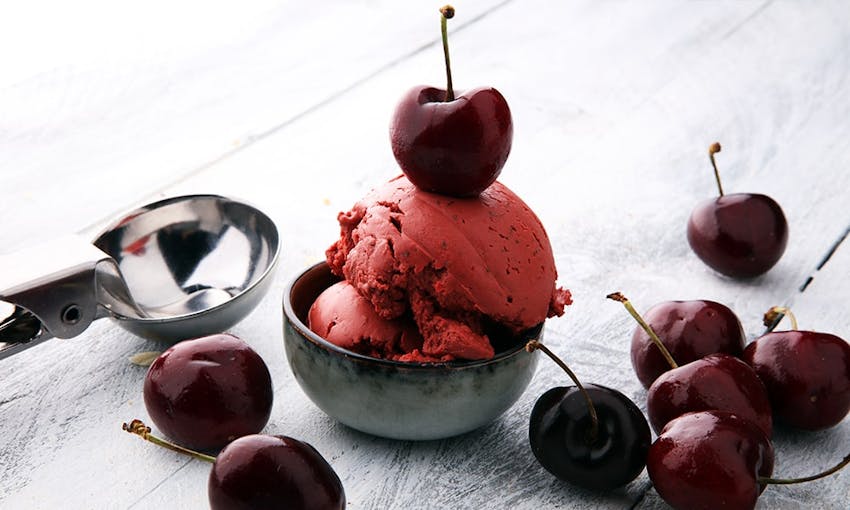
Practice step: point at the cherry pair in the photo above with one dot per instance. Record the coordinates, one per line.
(215, 392)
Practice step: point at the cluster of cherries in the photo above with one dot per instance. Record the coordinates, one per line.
(710, 400)
(215, 394)
(714, 412)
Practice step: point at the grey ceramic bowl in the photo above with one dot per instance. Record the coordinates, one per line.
(394, 399)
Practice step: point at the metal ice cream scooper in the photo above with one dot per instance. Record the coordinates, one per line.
(178, 268)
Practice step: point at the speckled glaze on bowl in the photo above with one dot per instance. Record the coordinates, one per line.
(393, 399)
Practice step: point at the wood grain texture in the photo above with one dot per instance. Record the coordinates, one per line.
(614, 106)
(106, 94)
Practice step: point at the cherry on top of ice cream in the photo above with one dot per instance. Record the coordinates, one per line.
(455, 265)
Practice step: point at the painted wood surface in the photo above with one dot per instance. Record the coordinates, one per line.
(286, 105)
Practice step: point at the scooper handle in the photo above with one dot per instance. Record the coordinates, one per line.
(53, 289)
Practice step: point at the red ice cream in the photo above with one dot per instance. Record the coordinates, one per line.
(343, 317)
(456, 266)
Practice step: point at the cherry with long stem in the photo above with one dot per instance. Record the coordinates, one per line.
(712, 150)
(742, 236)
(447, 12)
(534, 345)
(589, 435)
(620, 298)
(288, 471)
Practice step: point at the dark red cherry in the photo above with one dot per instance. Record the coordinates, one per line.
(588, 435)
(709, 460)
(261, 471)
(718, 381)
(454, 148)
(559, 433)
(206, 392)
(451, 145)
(807, 376)
(716, 459)
(741, 235)
(690, 330)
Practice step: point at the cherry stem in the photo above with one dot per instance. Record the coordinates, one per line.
(447, 12)
(714, 149)
(534, 345)
(138, 428)
(617, 296)
(774, 316)
(789, 481)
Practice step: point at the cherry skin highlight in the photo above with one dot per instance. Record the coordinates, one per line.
(718, 381)
(206, 392)
(261, 471)
(709, 460)
(690, 330)
(454, 148)
(807, 376)
(741, 235)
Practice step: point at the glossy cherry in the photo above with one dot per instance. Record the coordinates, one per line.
(451, 145)
(741, 235)
(590, 435)
(206, 392)
(718, 381)
(807, 376)
(716, 459)
(710, 459)
(689, 330)
(261, 471)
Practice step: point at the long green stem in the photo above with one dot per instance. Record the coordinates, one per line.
(447, 12)
(533, 345)
(714, 149)
(789, 481)
(138, 428)
(617, 296)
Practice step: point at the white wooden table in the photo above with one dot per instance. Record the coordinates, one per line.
(286, 104)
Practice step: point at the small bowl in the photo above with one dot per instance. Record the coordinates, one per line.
(393, 399)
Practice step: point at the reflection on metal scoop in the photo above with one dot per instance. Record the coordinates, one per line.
(201, 299)
(178, 268)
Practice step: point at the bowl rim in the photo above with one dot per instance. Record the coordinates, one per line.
(534, 332)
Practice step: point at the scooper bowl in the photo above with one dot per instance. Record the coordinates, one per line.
(174, 269)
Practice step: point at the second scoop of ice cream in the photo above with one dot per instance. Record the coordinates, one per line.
(343, 317)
